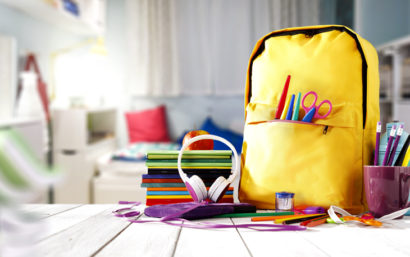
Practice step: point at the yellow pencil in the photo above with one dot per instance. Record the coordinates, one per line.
(285, 110)
(279, 221)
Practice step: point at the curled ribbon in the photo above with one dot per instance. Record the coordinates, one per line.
(376, 222)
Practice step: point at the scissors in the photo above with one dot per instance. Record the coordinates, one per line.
(312, 111)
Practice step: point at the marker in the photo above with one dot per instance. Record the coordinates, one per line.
(391, 137)
(283, 116)
(376, 150)
(297, 107)
(290, 109)
(282, 99)
(309, 116)
(396, 142)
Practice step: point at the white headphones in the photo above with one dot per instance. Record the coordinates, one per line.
(196, 186)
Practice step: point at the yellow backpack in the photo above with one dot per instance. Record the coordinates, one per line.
(321, 162)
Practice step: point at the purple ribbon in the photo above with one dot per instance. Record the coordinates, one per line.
(201, 225)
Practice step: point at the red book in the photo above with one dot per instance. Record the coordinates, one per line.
(151, 202)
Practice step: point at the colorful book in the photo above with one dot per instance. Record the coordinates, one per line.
(179, 196)
(196, 170)
(166, 176)
(171, 180)
(174, 188)
(188, 161)
(196, 154)
(185, 192)
(189, 165)
(151, 202)
(207, 184)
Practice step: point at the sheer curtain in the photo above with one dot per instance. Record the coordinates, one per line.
(201, 47)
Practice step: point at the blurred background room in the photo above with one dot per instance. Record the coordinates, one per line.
(87, 86)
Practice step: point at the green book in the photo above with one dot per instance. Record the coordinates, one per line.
(175, 156)
(216, 161)
(190, 154)
(190, 165)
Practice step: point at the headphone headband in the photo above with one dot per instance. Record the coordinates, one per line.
(235, 161)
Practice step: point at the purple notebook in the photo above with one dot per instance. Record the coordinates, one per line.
(201, 212)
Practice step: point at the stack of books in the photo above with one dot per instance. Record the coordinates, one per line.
(165, 186)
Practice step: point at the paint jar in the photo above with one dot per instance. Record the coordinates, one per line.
(284, 201)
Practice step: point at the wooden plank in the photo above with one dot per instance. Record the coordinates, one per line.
(280, 243)
(147, 239)
(211, 242)
(360, 240)
(46, 210)
(86, 237)
(64, 220)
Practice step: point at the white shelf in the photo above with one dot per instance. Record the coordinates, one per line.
(18, 121)
(395, 44)
(397, 50)
(42, 10)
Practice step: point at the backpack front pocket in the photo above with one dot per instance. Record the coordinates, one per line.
(313, 161)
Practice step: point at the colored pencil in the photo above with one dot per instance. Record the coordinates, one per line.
(396, 143)
(293, 221)
(376, 150)
(281, 220)
(269, 218)
(253, 214)
(390, 140)
(315, 222)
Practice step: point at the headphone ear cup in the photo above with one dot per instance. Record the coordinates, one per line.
(218, 189)
(196, 188)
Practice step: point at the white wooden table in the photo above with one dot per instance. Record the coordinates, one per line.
(92, 230)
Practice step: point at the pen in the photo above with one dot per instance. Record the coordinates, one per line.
(376, 150)
(282, 99)
(297, 107)
(396, 142)
(252, 214)
(290, 109)
(391, 137)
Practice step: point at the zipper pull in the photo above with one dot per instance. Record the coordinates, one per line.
(325, 130)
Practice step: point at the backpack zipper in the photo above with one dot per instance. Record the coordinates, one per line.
(325, 130)
(310, 33)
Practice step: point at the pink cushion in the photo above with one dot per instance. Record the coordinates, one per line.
(148, 125)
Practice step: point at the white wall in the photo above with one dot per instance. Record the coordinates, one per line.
(33, 35)
(184, 113)
(380, 21)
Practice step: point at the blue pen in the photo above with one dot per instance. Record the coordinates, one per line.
(295, 115)
(289, 113)
(389, 142)
(309, 116)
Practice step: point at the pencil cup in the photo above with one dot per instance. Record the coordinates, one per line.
(387, 188)
(284, 201)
